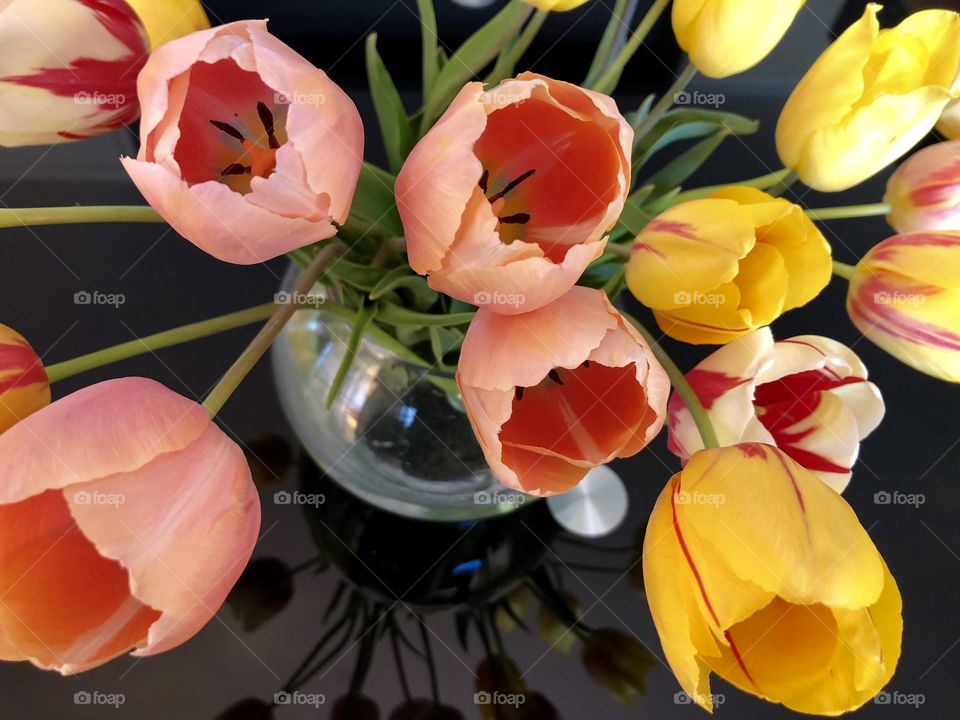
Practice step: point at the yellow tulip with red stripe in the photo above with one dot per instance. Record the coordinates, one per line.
(726, 37)
(715, 269)
(24, 387)
(869, 98)
(905, 296)
(757, 571)
(68, 68)
(924, 192)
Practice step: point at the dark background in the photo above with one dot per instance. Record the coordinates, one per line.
(167, 282)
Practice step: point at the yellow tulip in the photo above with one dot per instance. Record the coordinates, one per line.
(757, 571)
(726, 37)
(24, 387)
(869, 98)
(713, 270)
(556, 5)
(949, 125)
(905, 296)
(167, 20)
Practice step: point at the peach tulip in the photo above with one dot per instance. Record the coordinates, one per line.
(924, 192)
(758, 572)
(904, 296)
(508, 198)
(248, 150)
(808, 395)
(68, 69)
(126, 515)
(559, 390)
(24, 387)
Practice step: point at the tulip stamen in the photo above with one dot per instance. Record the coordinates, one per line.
(516, 219)
(266, 118)
(484, 179)
(555, 376)
(235, 169)
(518, 393)
(228, 129)
(510, 185)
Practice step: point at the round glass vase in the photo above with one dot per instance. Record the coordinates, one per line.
(396, 435)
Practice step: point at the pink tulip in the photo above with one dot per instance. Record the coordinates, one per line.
(126, 515)
(559, 390)
(507, 199)
(248, 150)
(808, 395)
(68, 69)
(924, 192)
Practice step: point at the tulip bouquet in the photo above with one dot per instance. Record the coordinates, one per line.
(513, 211)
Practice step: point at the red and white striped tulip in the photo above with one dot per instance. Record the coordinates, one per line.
(24, 387)
(808, 395)
(905, 296)
(126, 515)
(924, 192)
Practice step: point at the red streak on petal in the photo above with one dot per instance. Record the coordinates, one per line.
(647, 247)
(710, 385)
(20, 367)
(897, 324)
(739, 658)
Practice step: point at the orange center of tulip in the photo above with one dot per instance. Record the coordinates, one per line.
(255, 161)
(549, 174)
(586, 413)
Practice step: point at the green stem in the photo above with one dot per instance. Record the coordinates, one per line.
(608, 81)
(707, 432)
(848, 211)
(764, 182)
(843, 270)
(668, 99)
(620, 250)
(269, 332)
(618, 21)
(25, 217)
(507, 62)
(151, 343)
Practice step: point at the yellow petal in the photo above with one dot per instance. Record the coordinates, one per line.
(167, 20)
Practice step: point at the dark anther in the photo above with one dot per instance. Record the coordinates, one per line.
(235, 169)
(228, 129)
(586, 363)
(518, 393)
(266, 117)
(555, 376)
(484, 179)
(517, 219)
(510, 185)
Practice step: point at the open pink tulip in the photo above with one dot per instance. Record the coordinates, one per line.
(559, 390)
(126, 515)
(68, 69)
(507, 199)
(248, 150)
(808, 395)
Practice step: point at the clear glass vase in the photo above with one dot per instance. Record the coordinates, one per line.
(396, 435)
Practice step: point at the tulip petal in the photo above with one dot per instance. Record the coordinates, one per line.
(51, 448)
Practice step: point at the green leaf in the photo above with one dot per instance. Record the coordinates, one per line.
(442, 342)
(397, 315)
(374, 202)
(474, 55)
(429, 49)
(615, 26)
(676, 172)
(394, 123)
(364, 316)
(688, 124)
(362, 277)
(632, 220)
(637, 117)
